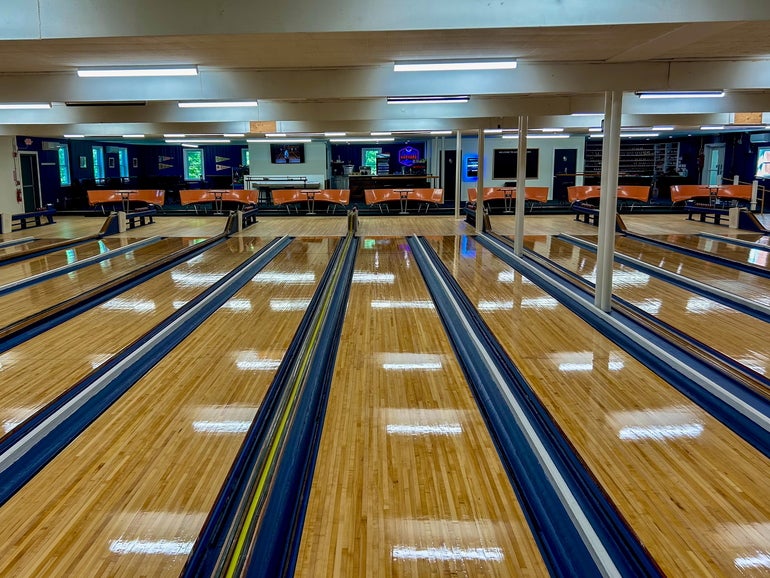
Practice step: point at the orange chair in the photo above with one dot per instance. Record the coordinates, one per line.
(682, 193)
(126, 196)
(334, 197)
(734, 192)
(381, 196)
(427, 197)
(582, 193)
(288, 197)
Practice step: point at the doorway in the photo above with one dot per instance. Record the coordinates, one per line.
(30, 181)
(564, 169)
(713, 164)
(449, 176)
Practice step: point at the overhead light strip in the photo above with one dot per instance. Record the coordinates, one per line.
(464, 64)
(218, 104)
(118, 72)
(448, 99)
(25, 106)
(198, 140)
(363, 139)
(628, 135)
(280, 140)
(681, 94)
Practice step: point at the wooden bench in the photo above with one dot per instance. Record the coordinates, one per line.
(32, 219)
(140, 218)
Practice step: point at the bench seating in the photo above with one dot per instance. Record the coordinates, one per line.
(425, 197)
(291, 197)
(632, 193)
(198, 196)
(119, 196)
(585, 212)
(706, 212)
(683, 193)
(32, 219)
(537, 194)
(140, 218)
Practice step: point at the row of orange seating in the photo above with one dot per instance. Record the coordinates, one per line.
(681, 193)
(119, 196)
(539, 194)
(241, 196)
(294, 196)
(425, 197)
(625, 192)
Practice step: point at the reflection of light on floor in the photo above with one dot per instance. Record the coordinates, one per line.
(758, 257)
(585, 361)
(182, 279)
(8, 359)
(651, 306)
(495, 305)
(510, 277)
(224, 427)
(99, 358)
(753, 363)
(164, 547)
(699, 305)
(657, 424)
(289, 304)
(374, 278)
(443, 554)
(252, 361)
(138, 305)
(410, 361)
(285, 278)
(402, 305)
(624, 278)
(223, 419)
(445, 429)
(539, 303)
(759, 560)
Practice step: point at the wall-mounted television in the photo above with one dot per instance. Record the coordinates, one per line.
(287, 154)
(506, 163)
(763, 162)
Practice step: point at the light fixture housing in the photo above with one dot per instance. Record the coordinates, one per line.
(137, 71)
(275, 134)
(447, 99)
(330, 134)
(218, 104)
(133, 136)
(234, 135)
(363, 139)
(628, 135)
(380, 133)
(460, 64)
(681, 94)
(440, 132)
(713, 127)
(536, 136)
(25, 106)
(281, 140)
(198, 140)
(74, 136)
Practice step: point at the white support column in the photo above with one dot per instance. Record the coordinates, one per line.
(480, 187)
(754, 191)
(521, 183)
(458, 172)
(608, 200)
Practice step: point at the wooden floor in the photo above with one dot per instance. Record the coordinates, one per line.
(407, 482)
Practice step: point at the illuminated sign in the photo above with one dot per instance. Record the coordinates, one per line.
(407, 156)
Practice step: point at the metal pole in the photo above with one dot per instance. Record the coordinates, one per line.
(458, 173)
(480, 187)
(608, 200)
(521, 183)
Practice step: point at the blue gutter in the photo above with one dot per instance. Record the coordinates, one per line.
(29, 447)
(273, 541)
(745, 412)
(13, 242)
(703, 255)
(32, 280)
(747, 372)
(736, 302)
(734, 241)
(578, 529)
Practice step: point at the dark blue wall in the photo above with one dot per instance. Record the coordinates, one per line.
(351, 154)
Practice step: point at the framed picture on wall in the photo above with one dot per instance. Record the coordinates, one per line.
(112, 163)
(135, 163)
(83, 162)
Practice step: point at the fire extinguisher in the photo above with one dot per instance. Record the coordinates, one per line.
(18, 196)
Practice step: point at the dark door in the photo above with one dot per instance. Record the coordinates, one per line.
(450, 175)
(30, 181)
(564, 168)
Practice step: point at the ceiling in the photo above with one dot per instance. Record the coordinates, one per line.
(328, 74)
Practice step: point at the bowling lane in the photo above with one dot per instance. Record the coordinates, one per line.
(19, 304)
(28, 246)
(739, 336)
(407, 481)
(36, 265)
(692, 490)
(130, 495)
(55, 360)
(757, 257)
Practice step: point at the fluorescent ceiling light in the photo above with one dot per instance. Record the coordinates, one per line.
(275, 134)
(441, 132)
(189, 146)
(428, 99)
(363, 139)
(218, 104)
(279, 141)
(380, 133)
(493, 131)
(198, 140)
(464, 64)
(335, 134)
(586, 114)
(234, 135)
(74, 136)
(713, 127)
(628, 135)
(138, 71)
(25, 106)
(529, 136)
(595, 129)
(173, 135)
(682, 94)
(549, 129)
(656, 127)
(133, 136)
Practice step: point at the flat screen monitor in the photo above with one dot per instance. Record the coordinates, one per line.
(763, 162)
(287, 154)
(506, 163)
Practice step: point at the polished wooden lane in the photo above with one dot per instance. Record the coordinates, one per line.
(692, 490)
(757, 257)
(752, 287)
(36, 265)
(129, 496)
(28, 246)
(55, 360)
(30, 300)
(740, 336)
(407, 481)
